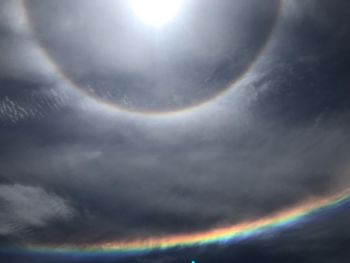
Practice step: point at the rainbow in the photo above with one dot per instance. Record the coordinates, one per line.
(227, 234)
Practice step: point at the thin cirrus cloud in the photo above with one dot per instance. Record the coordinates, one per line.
(24, 207)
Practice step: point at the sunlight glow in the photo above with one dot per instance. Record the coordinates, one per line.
(155, 12)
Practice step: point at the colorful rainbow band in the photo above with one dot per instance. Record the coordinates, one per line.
(215, 236)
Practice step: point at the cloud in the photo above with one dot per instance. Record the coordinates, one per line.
(29, 86)
(278, 139)
(25, 207)
(35, 99)
(129, 183)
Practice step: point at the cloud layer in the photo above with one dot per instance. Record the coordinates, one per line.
(25, 207)
(280, 136)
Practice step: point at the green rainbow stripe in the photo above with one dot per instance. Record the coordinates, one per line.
(214, 236)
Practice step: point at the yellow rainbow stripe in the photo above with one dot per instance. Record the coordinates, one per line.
(219, 235)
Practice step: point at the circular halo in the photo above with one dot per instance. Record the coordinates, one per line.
(147, 112)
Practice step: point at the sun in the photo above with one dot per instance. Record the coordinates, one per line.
(155, 12)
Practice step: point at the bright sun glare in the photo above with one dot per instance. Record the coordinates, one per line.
(155, 12)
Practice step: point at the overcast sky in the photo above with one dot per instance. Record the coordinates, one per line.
(92, 150)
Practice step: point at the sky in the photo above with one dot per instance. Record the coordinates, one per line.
(115, 131)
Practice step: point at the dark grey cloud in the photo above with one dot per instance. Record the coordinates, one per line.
(279, 137)
(186, 182)
(308, 77)
(29, 87)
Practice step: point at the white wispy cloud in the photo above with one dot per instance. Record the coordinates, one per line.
(23, 207)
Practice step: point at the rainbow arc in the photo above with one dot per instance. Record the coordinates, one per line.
(214, 236)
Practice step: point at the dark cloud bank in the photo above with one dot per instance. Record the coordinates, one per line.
(73, 173)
